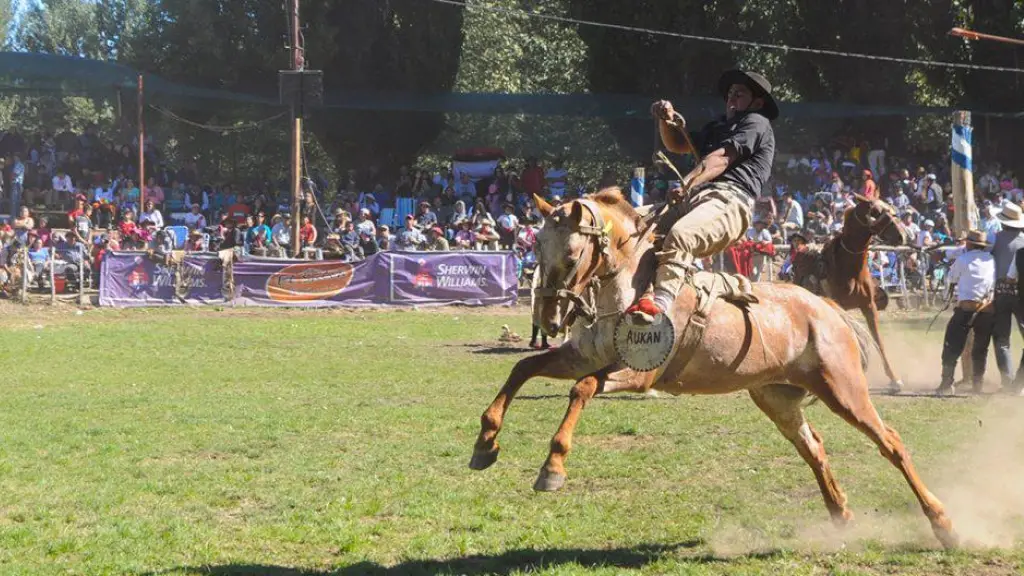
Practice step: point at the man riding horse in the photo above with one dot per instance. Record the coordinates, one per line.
(714, 202)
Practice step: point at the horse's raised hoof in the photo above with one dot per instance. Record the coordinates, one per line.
(549, 481)
(483, 460)
(896, 386)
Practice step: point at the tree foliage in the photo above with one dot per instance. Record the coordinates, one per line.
(424, 47)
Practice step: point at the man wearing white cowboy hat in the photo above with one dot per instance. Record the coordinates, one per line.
(717, 196)
(973, 277)
(1009, 241)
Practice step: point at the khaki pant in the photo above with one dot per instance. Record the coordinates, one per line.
(712, 220)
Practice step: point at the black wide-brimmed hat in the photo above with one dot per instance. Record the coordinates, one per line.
(757, 83)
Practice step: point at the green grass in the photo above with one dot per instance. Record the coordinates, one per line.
(306, 444)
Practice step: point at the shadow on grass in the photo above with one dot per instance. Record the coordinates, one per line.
(523, 560)
(602, 397)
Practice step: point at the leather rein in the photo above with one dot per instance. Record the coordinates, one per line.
(584, 301)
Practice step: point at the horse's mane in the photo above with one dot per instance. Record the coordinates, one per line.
(613, 198)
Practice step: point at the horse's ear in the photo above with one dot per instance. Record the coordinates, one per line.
(543, 207)
(577, 213)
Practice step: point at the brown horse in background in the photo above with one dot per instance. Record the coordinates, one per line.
(791, 344)
(847, 278)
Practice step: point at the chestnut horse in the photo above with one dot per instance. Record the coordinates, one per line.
(789, 345)
(847, 276)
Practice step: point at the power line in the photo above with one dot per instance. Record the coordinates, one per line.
(747, 43)
(221, 129)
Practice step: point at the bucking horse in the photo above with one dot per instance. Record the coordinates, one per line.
(595, 257)
(839, 269)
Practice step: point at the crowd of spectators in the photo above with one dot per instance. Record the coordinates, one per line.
(78, 193)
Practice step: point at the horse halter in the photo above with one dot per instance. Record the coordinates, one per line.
(600, 232)
(869, 226)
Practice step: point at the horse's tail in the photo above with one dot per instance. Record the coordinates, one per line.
(865, 341)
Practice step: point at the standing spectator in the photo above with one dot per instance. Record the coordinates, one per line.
(869, 189)
(82, 228)
(17, 183)
(507, 225)
(43, 231)
(23, 224)
(556, 178)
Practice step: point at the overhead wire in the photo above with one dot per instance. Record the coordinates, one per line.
(213, 128)
(732, 42)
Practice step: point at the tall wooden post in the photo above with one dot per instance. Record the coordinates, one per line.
(965, 217)
(965, 210)
(142, 151)
(298, 64)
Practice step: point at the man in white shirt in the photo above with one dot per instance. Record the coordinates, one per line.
(195, 220)
(792, 216)
(973, 277)
(62, 189)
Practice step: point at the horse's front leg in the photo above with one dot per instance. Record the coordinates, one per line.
(562, 363)
(616, 379)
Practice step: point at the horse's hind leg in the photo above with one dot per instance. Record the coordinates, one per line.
(846, 393)
(556, 363)
(782, 404)
(552, 474)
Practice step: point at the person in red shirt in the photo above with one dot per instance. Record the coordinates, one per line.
(533, 177)
(869, 189)
(79, 210)
(307, 233)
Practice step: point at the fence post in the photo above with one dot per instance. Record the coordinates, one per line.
(24, 275)
(81, 281)
(53, 276)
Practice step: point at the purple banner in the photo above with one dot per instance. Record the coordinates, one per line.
(475, 278)
(388, 278)
(305, 283)
(129, 279)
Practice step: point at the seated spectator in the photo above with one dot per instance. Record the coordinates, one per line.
(195, 220)
(442, 211)
(229, 234)
(196, 241)
(465, 238)
(155, 193)
(366, 225)
(486, 237)
(152, 215)
(426, 218)
(368, 244)
(384, 238)
(43, 231)
(259, 230)
(409, 237)
(39, 259)
(61, 190)
(307, 233)
(458, 214)
(76, 254)
(281, 233)
(350, 238)
(436, 242)
(480, 215)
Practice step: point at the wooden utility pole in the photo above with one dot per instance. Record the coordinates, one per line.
(965, 217)
(142, 151)
(298, 65)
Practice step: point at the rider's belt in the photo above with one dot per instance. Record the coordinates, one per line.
(975, 306)
(1006, 288)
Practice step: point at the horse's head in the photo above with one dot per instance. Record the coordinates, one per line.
(881, 220)
(577, 245)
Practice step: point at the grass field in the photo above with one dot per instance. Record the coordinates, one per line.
(314, 443)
